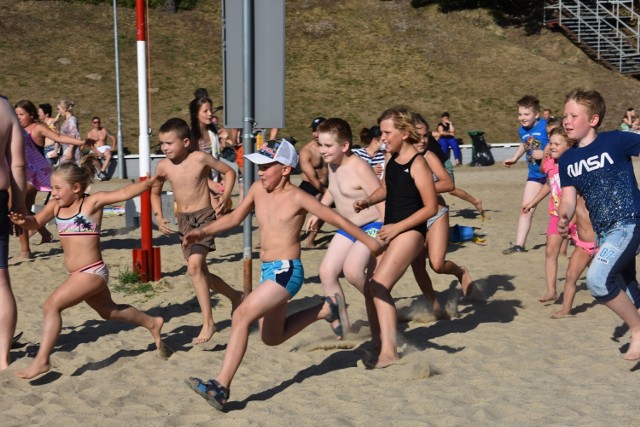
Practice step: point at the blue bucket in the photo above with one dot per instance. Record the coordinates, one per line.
(460, 233)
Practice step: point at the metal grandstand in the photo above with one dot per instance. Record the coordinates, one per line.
(609, 31)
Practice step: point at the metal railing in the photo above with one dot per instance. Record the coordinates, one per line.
(602, 27)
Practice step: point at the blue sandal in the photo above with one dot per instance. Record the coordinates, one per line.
(212, 391)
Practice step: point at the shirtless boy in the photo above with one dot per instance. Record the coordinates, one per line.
(187, 171)
(314, 174)
(350, 179)
(100, 148)
(280, 208)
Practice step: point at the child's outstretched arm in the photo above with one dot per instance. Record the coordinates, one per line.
(516, 157)
(325, 213)
(129, 191)
(566, 209)
(544, 191)
(327, 200)
(224, 222)
(34, 222)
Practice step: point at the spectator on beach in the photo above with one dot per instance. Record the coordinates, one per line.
(534, 139)
(630, 121)
(38, 168)
(102, 151)
(69, 127)
(314, 174)
(373, 151)
(51, 149)
(12, 179)
(448, 138)
(422, 127)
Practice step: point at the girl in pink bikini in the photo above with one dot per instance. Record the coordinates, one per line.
(78, 217)
(559, 142)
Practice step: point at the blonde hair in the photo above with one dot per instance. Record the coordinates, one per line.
(559, 130)
(403, 121)
(74, 173)
(66, 105)
(591, 100)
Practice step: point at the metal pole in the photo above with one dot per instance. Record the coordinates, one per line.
(117, 60)
(247, 134)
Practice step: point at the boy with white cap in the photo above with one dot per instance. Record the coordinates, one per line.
(280, 208)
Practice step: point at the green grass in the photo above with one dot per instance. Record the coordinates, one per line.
(130, 283)
(346, 58)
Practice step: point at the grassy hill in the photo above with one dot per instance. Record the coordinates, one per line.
(345, 58)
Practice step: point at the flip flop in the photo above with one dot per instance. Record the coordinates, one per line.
(212, 391)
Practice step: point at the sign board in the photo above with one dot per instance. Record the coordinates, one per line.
(268, 63)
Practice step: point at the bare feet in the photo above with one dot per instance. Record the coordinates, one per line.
(206, 333)
(548, 297)
(634, 350)
(466, 281)
(33, 370)
(26, 255)
(378, 362)
(559, 314)
(478, 205)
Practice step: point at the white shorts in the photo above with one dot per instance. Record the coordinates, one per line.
(103, 148)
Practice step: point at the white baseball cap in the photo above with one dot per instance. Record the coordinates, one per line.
(280, 151)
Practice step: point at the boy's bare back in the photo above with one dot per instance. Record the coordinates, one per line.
(188, 180)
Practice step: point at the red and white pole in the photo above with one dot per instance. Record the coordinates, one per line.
(146, 260)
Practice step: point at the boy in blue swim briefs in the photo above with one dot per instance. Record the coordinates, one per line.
(280, 209)
(350, 179)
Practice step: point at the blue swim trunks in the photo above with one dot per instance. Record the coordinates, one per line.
(287, 273)
(371, 229)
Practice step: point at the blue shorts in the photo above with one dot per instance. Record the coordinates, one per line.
(371, 229)
(538, 180)
(287, 273)
(613, 268)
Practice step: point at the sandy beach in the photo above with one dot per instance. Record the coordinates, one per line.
(500, 361)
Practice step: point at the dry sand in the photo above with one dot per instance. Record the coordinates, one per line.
(502, 361)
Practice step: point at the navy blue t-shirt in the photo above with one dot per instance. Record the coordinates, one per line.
(602, 173)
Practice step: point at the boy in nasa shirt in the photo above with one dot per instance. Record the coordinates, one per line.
(600, 170)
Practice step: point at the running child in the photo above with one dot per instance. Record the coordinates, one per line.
(280, 209)
(350, 179)
(533, 137)
(600, 170)
(558, 144)
(410, 200)
(584, 239)
(79, 217)
(188, 172)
